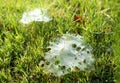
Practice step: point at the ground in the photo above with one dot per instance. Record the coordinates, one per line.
(22, 47)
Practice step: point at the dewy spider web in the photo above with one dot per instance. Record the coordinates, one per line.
(69, 52)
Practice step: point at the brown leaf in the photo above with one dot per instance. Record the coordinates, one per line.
(78, 19)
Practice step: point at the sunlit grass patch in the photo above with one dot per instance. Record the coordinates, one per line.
(23, 47)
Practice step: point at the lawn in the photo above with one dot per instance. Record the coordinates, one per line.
(24, 46)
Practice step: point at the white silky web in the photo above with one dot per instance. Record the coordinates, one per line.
(67, 53)
(35, 15)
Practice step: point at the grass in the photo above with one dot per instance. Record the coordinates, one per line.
(22, 47)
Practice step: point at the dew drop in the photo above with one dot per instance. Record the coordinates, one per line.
(74, 45)
(47, 63)
(57, 62)
(78, 48)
